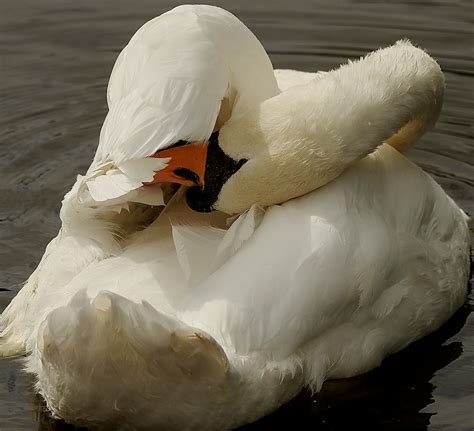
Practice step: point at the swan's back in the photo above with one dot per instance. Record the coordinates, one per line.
(378, 246)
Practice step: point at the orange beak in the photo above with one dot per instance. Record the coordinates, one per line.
(187, 165)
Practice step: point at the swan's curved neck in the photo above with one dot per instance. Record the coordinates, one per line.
(308, 135)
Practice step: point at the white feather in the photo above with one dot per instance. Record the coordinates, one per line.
(167, 85)
(143, 170)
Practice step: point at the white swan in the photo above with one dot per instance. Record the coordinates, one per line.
(182, 322)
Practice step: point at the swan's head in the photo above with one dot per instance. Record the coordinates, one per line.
(253, 163)
(264, 157)
(306, 136)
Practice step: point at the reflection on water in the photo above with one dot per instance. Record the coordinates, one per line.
(56, 58)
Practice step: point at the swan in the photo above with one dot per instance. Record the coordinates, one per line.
(303, 245)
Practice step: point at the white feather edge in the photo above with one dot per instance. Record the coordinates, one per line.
(200, 250)
(161, 92)
(108, 184)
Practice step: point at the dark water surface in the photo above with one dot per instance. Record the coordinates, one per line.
(55, 59)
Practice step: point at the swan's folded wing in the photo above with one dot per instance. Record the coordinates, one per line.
(166, 86)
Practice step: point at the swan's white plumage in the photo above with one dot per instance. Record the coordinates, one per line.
(349, 249)
(201, 321)
(167, 85)
(325, 285)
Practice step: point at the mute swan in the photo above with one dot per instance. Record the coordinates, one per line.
(199, 320)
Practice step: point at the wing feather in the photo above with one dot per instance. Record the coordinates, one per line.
(168, 84)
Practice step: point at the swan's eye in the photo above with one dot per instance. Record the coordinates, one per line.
(188, 175)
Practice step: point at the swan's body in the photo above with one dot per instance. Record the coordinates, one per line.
(191, 324)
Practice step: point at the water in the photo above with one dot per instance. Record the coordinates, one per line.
(56, 56)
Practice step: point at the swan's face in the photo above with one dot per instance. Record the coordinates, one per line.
(264, 175)
(236, 180)
(205, 167)
(265, 157)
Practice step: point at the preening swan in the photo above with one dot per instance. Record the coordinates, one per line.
(303, 245)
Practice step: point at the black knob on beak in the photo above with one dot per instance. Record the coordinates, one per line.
(219, 168)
